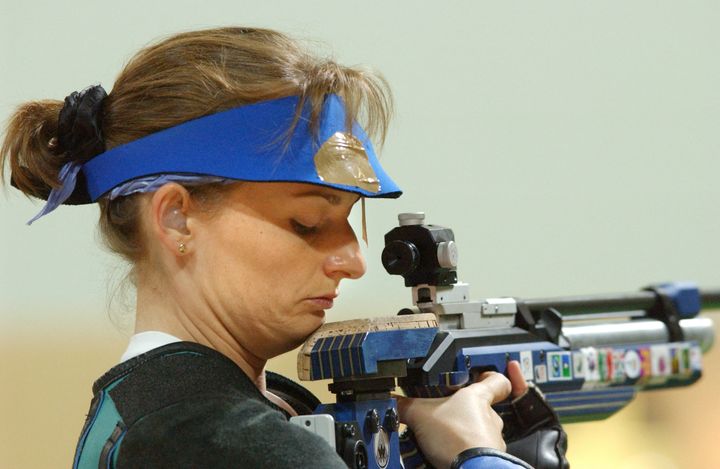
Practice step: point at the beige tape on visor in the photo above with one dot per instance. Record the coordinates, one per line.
(342, 160)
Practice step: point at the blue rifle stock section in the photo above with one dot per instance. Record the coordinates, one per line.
(359, 354)
(382, 443)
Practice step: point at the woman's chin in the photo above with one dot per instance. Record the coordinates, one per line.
(301, 333)
(318, 320)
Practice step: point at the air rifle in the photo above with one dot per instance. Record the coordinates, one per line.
(589, 355)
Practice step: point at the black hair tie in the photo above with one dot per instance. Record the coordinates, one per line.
(79, 133)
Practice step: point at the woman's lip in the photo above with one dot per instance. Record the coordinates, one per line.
(322, 302)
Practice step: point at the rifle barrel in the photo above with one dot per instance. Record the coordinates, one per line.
(611, 303)
(700, 330)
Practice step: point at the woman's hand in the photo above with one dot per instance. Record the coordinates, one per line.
(444, 427)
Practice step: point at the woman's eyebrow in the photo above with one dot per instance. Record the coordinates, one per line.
(331, 198)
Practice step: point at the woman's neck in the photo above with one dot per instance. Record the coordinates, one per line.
(164, 310)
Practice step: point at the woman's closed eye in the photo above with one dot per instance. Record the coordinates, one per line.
(303, 230)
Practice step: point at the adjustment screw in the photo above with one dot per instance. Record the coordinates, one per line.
(373, 421)
(348, 430)
(392, 420)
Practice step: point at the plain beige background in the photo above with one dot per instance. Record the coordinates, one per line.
(572, 146)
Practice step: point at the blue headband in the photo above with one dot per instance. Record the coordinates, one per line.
(248, 143)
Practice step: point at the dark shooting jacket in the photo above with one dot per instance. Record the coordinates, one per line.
(186, 405)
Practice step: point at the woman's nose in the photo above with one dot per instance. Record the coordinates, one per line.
(346, 261)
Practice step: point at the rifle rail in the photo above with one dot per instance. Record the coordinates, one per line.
(611, 303)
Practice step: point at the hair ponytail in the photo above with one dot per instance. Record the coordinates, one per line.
(28, 148)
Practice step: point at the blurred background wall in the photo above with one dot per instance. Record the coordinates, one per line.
(572, 146)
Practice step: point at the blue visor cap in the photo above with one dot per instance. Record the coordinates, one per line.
(251, 143)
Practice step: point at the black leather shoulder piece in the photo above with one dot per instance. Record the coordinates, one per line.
(300, 399)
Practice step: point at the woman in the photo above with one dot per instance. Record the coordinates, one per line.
(225, 163)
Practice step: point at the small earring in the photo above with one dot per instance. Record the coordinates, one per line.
(181, 248)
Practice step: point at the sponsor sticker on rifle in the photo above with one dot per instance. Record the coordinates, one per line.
(618, 365)
(646, 360)
(540, 374)
(526, 365)
(592, 370)
(675, 358)
(579, 365)
(560, 366)
(633, 364)
(605, 364)
(685, 359)
(695, 358)
(660, 355)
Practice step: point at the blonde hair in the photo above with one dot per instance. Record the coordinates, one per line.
(183, 77)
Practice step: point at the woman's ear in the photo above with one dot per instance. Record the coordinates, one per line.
(169, 207)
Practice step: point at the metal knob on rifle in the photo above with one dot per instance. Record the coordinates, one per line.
(447, 254)
(411, 218)
(400, 257)
(372, 420)
(348, 431)
(352, 448)
(392, 421)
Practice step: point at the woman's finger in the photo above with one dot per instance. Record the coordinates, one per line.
(494, 387)
(517, 380)
(402, 405)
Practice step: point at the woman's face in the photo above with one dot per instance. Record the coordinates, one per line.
(270, 259)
